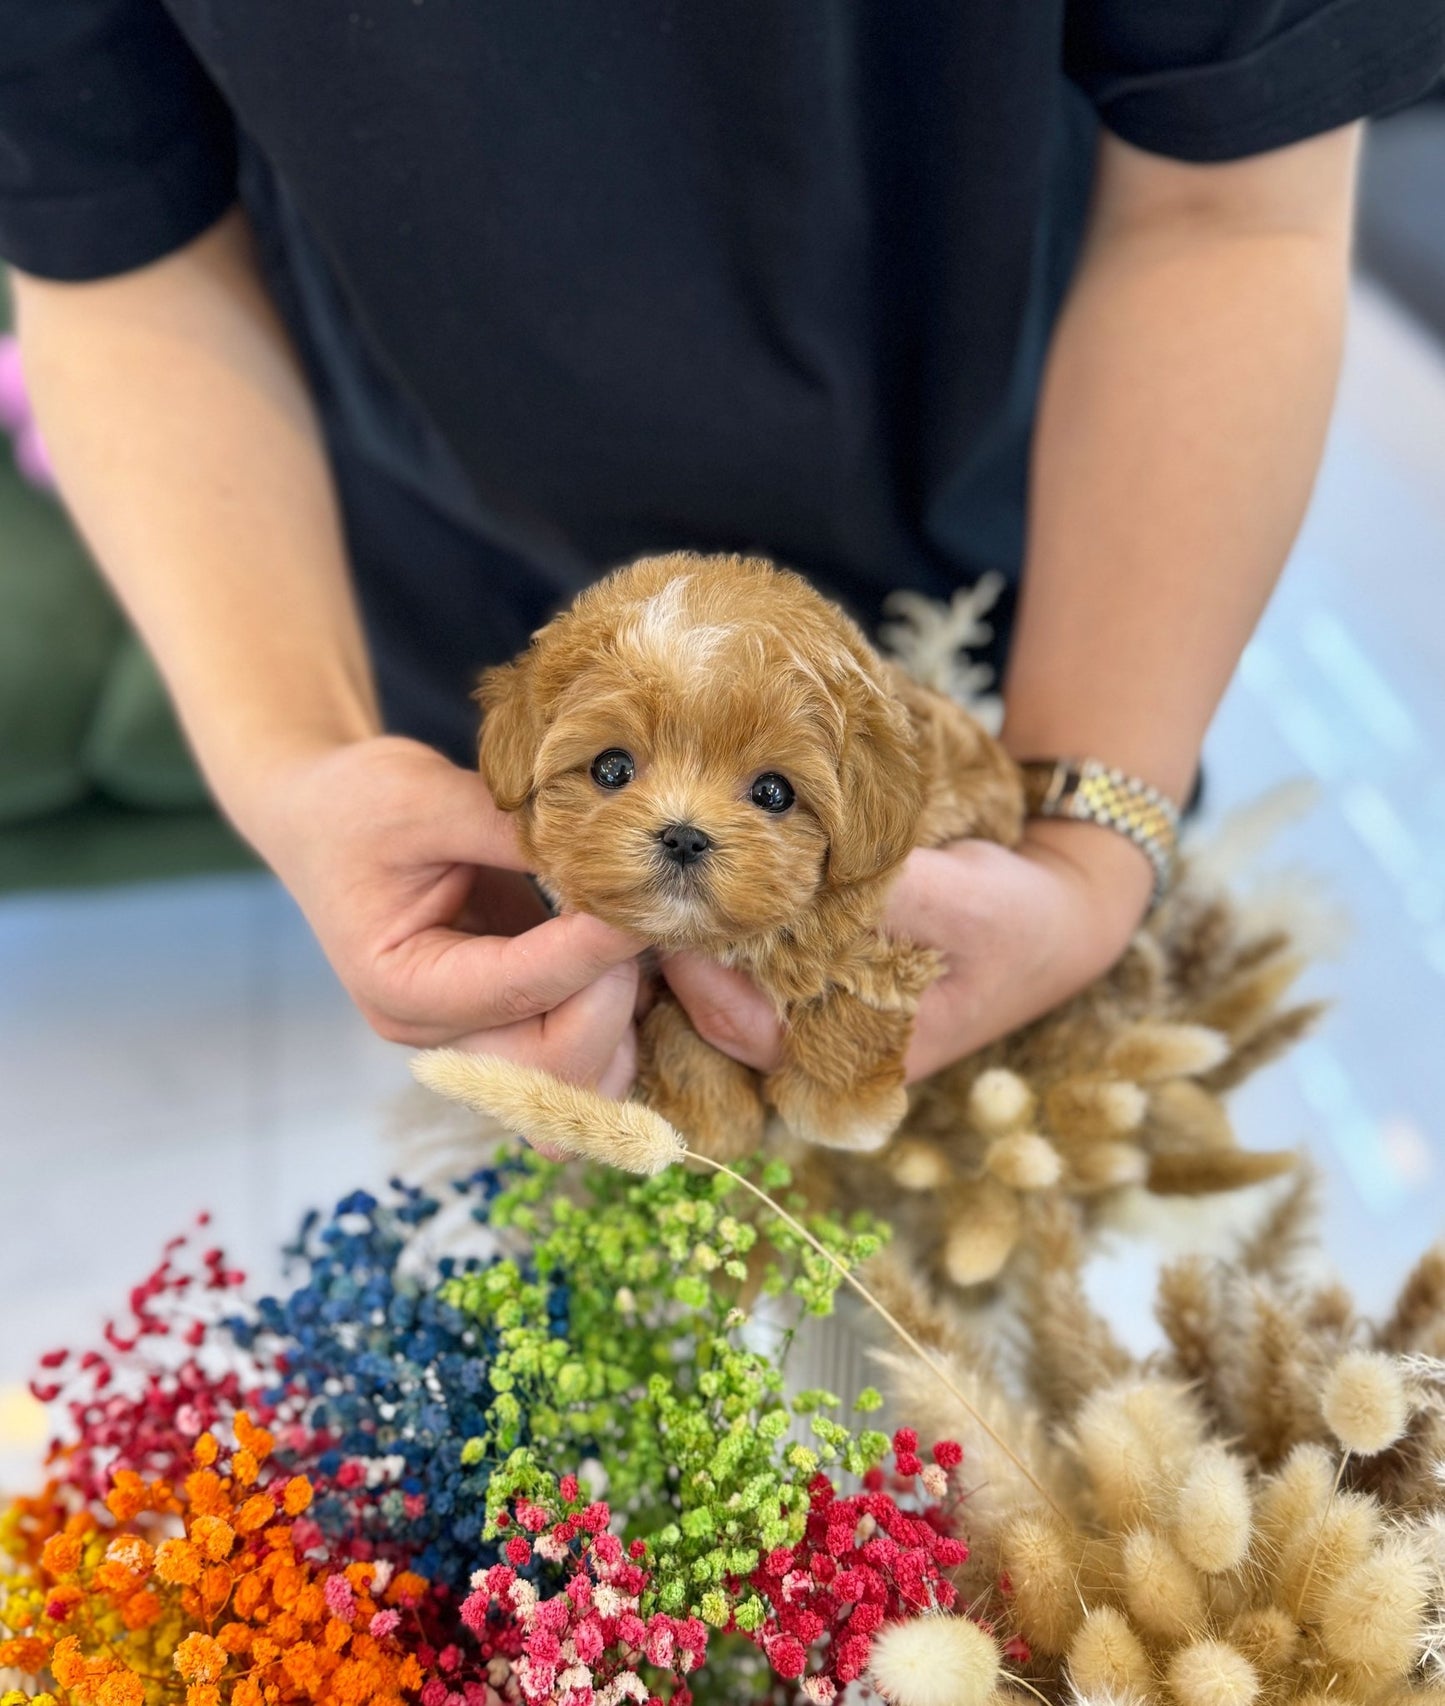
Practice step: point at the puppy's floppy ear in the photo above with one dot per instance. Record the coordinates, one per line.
(511, 731)
(881, 786)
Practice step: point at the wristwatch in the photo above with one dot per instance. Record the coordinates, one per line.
(1088, 791)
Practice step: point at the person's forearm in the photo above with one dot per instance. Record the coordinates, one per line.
(1182, 419)
(188, 451)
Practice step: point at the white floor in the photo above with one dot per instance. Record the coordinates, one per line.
(168, 1048)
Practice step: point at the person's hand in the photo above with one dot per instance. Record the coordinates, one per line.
(410, 877)
(1020, 931)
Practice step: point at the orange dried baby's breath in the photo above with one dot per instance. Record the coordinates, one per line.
(286, 1582)
(112, 1579)
(286, 1627)
(349, 1684)
(28, 1653)
(178, 1562)
(297, 1496)
(215, 1588)
(357, 1681)
(247, 1692)
(301, 1664)
(203, 1694)
(257, 1511)
(134, 1555)
(406, 1588)
(61, 1554)
(128, 1495)
(205, 1493)
(120, 1687)
(68, 1663)
(250, 1590)
(141, 1610)
(253, 1439)
(200, 1658)
(205, 1451)
(214, 1535)
(62, 1600)
(310, 1603)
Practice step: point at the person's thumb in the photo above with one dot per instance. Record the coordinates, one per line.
(467, 825)
(727, 1009)
(579, 1039)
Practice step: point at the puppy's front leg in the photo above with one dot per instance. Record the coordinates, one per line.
(714, 1102)
(841, 1081)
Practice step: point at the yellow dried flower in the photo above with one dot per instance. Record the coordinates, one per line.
(1106, 1657)
(1212, 1673)
(934, 1661)
(534, 1104)
(1212, 1518)
(1365, 1403)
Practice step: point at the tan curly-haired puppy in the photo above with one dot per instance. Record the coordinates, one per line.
(705, 752)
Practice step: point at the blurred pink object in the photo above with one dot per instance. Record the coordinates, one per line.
(14, 401)
(31, 457)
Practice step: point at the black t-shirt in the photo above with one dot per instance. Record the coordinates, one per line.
(578, 279)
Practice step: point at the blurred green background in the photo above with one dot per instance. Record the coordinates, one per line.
(96, 783)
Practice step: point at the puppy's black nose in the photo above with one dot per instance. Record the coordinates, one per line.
(683, 843)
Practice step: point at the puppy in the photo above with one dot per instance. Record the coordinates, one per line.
(705, 752)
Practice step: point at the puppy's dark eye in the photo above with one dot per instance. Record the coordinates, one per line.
(772, 792)
(613, 768)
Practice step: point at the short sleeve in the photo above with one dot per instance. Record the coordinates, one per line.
(115, 146)
(1210, 80)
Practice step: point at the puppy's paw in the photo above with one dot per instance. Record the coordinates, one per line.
(714, 1102)
(721, 1117)
(841, 1081)
(861, 1118)
(889, 977)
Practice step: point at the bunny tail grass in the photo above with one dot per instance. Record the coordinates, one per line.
(536, 1105)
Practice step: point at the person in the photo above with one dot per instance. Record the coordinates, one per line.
(361, 336)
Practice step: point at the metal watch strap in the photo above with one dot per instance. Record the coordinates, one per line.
(1088, 791)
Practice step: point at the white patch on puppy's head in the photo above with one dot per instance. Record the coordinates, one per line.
(667, 632)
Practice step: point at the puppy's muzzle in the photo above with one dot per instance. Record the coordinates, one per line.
(683, 844)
